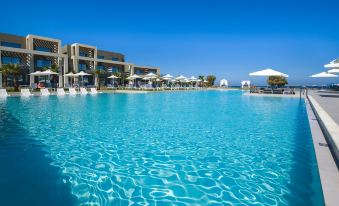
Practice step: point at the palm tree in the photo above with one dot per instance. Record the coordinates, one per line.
(5, 72)
(97, 73)
(14, 69)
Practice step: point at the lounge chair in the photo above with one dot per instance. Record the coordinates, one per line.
(83, 91)
(94, 91)
(72, 91)
(278, 91)
(60, 91)
(44, 92)
(25, 93)
(3, 93)
(268, 91)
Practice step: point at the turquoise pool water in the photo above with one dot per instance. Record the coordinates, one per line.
(180, 148)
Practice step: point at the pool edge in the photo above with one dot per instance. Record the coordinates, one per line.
(327, 167)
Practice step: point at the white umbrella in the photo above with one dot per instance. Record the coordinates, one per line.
(333, 71)
(151, 75)
(268, 72)
(37, 73)
(167, 76)
(181, 77)
(192, 78)
(48, 72)
(133, 77)
(324, 75)
(199, 80)
(71, 74)
(82, 73)
(113, 77)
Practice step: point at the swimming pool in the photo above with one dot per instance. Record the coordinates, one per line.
(179, 148)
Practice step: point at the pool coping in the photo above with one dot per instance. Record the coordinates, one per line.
(328, 170)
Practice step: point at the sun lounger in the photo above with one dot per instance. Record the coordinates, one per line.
(72, 91)
(60, 91)
(94, 91)
(25, 92)
(3, 93)
(268, 91)
(278, 91)
(83, 91)
(44, 92)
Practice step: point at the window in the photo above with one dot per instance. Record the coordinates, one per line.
(115, 59)
(82, 67)
(114, 69)
(83, 54)
(137, 71)
(43, 49)
(10, 44)
(43, 63)
(100, 67)
(10, 60)
(101, 57)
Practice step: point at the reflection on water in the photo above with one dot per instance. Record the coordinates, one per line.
(179, 148)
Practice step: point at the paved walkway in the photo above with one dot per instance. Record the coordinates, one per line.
(329, 101)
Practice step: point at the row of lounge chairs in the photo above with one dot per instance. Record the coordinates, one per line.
(45, 92)
(272, 91)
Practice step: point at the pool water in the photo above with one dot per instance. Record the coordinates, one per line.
(171, 148)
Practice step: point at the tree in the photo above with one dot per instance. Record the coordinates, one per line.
(277, 81)
(210, 79)
(201, 77)
(14, 69)
(5, 72)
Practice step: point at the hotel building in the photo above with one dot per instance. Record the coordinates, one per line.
(33, 53)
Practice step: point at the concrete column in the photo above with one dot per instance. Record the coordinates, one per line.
(65, 71)
(31, 69)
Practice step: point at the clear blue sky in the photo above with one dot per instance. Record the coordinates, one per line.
(226, 38)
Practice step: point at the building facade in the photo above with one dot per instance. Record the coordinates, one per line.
(34, 53)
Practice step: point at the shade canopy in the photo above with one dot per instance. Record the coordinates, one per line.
(223, 82)
(113, 77)
(267, 73)
(71, 74)
(333, 71)
(158, 80)
(48, 72)
(167, 76)
(151, 75)
(181, 77)
(36, 73)
(205, 81)
(324, 75)
(199, 80)
(82, 73)
(134, 76)
(192, 78)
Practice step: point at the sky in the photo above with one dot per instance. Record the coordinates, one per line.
(225, 38)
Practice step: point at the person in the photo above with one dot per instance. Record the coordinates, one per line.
(40, 85)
